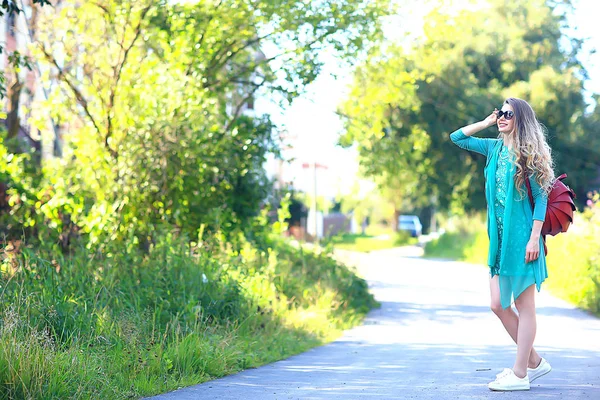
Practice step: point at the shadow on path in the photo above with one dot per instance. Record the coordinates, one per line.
(434, 337)
(353, 370)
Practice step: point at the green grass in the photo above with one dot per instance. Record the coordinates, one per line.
(574, 261)
(127, 324)
(469, 247)
(366, 243)
(466, 240)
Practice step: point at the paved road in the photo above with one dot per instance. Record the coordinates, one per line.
(434, 337)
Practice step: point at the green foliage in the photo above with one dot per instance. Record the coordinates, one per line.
(365, 201)
(9, 7)
(307, 199)
(15, 59)
(156, 136)
(465, 240)
(141, 258)
(296, 208)
(119, 325)
(22, 195)
(406, 99)
(574, 259)
(367, 243)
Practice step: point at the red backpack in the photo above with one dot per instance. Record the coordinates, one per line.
(559, 214)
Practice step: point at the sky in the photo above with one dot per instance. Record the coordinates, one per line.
(585, 21)
(314, 127)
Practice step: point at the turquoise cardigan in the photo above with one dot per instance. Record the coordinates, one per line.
(515, 274)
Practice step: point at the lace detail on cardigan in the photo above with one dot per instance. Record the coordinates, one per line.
(500, 200)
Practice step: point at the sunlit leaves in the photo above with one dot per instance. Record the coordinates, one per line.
(406, 101)
(150, 96)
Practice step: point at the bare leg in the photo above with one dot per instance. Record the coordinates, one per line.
(525, 304)
(510, 320)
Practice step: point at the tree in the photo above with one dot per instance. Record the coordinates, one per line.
(365, 201)
(153, 111)
(407, 99)
(9, 8)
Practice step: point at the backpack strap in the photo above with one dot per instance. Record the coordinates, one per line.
(530, 195)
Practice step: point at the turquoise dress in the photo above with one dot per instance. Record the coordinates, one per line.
(510, 219)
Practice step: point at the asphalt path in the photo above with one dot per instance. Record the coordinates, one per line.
(434, 337)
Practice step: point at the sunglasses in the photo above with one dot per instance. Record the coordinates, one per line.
(507, 114)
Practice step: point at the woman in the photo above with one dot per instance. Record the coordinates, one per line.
(516, 257)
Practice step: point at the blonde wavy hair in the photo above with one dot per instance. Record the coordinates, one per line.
(533, 154)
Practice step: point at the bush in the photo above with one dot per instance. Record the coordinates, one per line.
(129, 324)
(574, 259)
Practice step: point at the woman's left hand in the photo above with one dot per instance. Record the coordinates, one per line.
(532, 251)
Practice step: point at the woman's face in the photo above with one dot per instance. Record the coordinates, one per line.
(506, 123)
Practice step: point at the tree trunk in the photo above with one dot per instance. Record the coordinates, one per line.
(12, 119)
(3, 196)
(395, 220)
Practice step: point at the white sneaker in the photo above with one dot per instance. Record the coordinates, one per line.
(541, 370)
(504, 372)
(507, 381)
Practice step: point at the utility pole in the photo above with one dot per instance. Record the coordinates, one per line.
(315, 205)
(315, 165)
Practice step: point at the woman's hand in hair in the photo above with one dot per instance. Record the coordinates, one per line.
(491, 119)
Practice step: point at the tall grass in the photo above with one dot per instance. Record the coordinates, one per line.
(131, 324)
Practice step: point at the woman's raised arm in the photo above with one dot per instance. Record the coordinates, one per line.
(462, 137)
